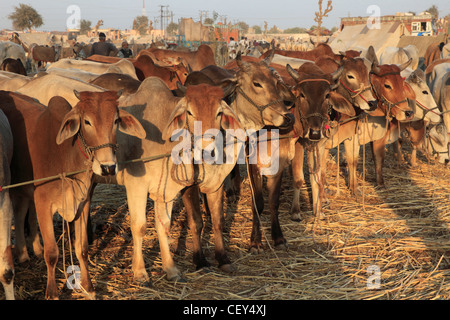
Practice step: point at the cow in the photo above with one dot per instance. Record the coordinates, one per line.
(13, 65)
(40, 55)
(9, 49)
(433, 52)
(439, 83)
(163, 178)
(394, 55)
(6, 208)
(146, 67)
(56, 85)
(117, 82)
(197, 60)
(12, 81)
(123, 66)
(79, 140)
(78, 74)
(313, 115)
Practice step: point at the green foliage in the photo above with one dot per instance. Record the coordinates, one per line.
(141, 24)
(172, 28)
(295, 30)
(433, 10)
(85, 26)
(25, 17)
(257, 29)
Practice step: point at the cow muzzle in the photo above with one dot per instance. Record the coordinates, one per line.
(108, 170)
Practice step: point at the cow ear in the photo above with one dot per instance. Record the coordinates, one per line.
(177, 120)
(77, 94)
(228, 120)
(340, 104)
(128, 124)
(69, 126)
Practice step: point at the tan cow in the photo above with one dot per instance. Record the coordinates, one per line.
(56, 85)
(58, 140)
(123, 66)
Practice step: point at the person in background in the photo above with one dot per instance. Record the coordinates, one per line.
(125, 52)
(102, 47)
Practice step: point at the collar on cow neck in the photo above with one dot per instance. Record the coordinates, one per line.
(88, 150)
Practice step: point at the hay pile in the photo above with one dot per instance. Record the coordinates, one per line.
(403, 231)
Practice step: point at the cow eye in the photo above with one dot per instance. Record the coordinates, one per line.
(327, 96)
(425, 92)
(86, 122)
(350, 76)
(189, 113)
(302, 95)
(388, 86)
(257, 84)
(117, 121)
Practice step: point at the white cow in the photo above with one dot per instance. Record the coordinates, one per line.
(6, 209)
(45, 87)
(394, 55)
(79, 74)
(9, 49)
(123, 66)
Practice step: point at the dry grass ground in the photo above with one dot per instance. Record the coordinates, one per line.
(403, 230)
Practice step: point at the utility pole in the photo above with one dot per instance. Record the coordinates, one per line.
(163, 18)
(205, 12)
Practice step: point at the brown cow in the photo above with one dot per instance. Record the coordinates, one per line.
(40, 55)
(316, 106)
(434, 52)
(146, 67)
(322, 49)
(13, 65)
(197, 60)
(78, 138)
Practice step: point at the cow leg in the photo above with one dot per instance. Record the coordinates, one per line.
(257, 207)
(274, 187)
(378, 150)
(21, 206)
(299, 180)
(191, 201)
(164, 209)
(215, 201)
(6, 260)
(82, 248)
(137, 202)
(316, 177)
(352, 149)
(45, 218)
(34, 230)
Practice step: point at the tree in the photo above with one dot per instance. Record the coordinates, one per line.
(295, 30)
(257, 29)
(85, 26)
(322, 14)
(140, 23)
(274, 29)
(433, 10)
(244, 27)
(25, 17)
(172, 28)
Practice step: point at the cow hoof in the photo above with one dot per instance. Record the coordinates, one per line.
(296, 216)
(141, 276)
(228, 268)
(282, 246)
(91, 295)
(256, 250)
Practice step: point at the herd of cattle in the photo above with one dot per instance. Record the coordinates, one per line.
(78, 123)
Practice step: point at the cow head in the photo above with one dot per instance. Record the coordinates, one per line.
(94, 121)
(436, 142)
(425, 107)
(393, 94)
(354, 84)
(262, 98)
(201, 105)
(315, 99)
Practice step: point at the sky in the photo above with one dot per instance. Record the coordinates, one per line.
(282, 13)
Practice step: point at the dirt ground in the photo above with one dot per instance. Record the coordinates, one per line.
(393, 245)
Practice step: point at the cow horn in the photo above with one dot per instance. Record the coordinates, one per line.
(375, 68)
(404, 65)
(335, 75)
(77, 94)
(181, 87)
(268, 59)
(294, 74)
(119, 93)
